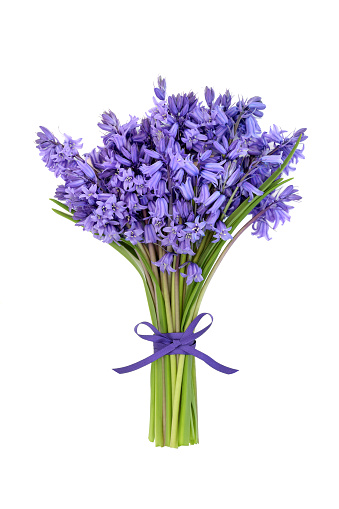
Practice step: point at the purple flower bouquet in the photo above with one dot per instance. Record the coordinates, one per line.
(172, 193)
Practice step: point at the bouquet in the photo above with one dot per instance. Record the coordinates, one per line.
(172, 193)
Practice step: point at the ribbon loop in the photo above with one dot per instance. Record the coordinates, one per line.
(172, 343)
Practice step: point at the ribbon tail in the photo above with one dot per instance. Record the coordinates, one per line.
(211, 362)
(144, 362)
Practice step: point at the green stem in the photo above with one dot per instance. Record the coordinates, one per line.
(163, 399)
(153, 258)
(176, 301)
(173, 362)
(165, 292)
(192, 430)
(195, 402)
(185, 404)
(159, 436)
(228, 204)
(208, 248)
(168, 398)
(148, 278)
(173, 277)
(144, 251)
(151, 434)
(176, 402)
(181, 283)
(201, 248)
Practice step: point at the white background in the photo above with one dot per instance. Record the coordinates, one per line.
(73, 433)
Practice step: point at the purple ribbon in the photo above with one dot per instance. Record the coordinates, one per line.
(171, 343)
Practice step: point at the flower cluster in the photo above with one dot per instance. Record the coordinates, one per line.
(176, 174)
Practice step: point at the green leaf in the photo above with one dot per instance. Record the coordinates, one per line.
(126, 254)
(62, 214)
(62, 205)
(129, 248)
(208, 252)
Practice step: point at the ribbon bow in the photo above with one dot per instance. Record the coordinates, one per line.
(171, 343)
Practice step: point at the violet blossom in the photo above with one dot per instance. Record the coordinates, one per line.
(168, 178)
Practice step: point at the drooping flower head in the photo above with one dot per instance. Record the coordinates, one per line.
(194, 273)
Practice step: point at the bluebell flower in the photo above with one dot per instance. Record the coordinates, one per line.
(134, 236)
(250, 189)
(190, 168)
(211, 199)
(211, 219)
(187, 189)
(161, 207)
(172, 105)
(132, 202)
(220, 148)
(205, 155)
(109, 122)
(214, 168)
(150, 170)
(209, 96)
(71, 147)
(173, 130)
(221, 232)
(60, 193)
(89, 193)
(117, 207)
(209, 177)
(153, 153)
(160, 91)
(194, 273)
(140, 184)
(158, 223)
(167, 177)
(273, 158)
(204, 194)
(49, 149)
(261, 229)
(184, 246)
(252, 128)
(173, 232)
(233, 177)
(111, 234)
(165, 263)
(160, 189)
(128, 179)
(219, 202)
(275, 210)
(192, 137)
(237, 149)
(176, 161)
(275, 134)
(150, 235)
(86, 169)
(153, 182)
(255, 106)
(196, 229)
